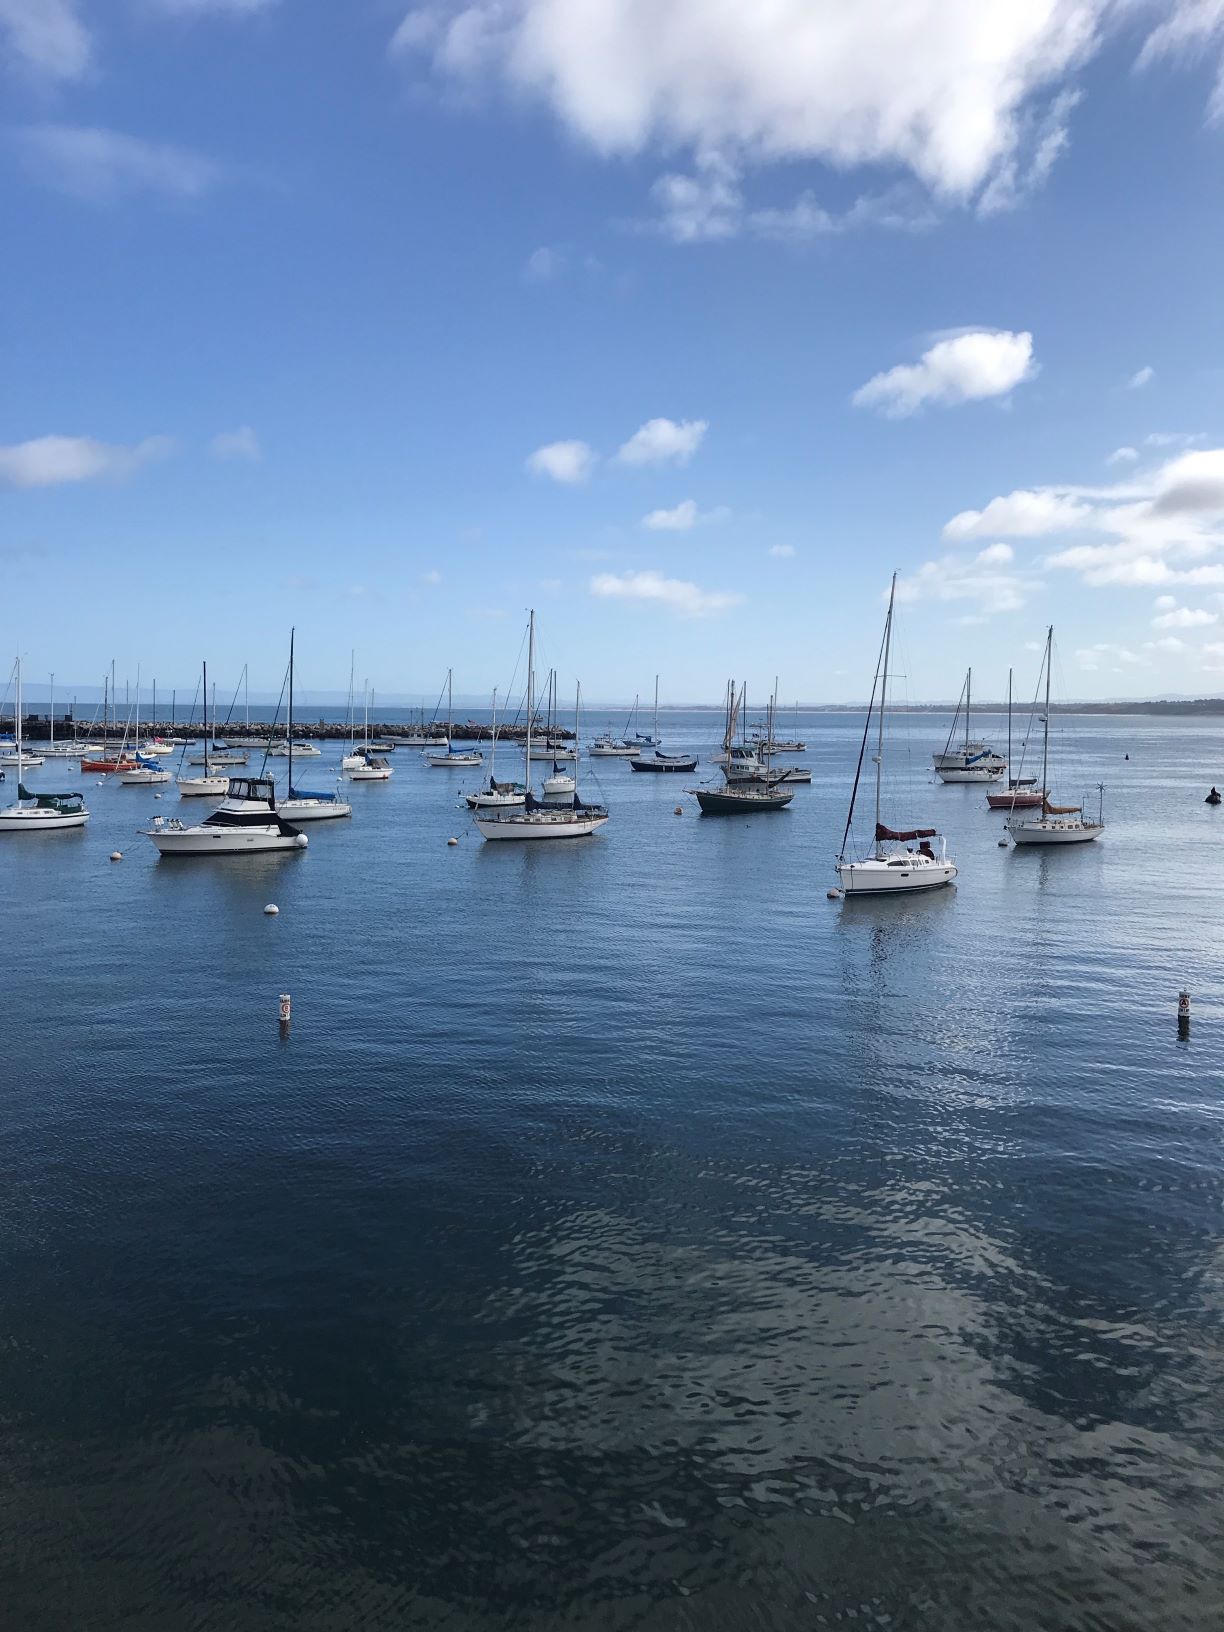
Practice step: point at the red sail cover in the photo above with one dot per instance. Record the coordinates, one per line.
(883, 832)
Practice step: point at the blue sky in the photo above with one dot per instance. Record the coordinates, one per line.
(685, 325)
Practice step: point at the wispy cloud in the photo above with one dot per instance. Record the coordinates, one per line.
(682, 517)
(211, 8)
(104, 166)
(567, 462)
(663, 442)
(543, 265)
(989, 579)
(56, 461)
(782, 552)
(1122, 456)
(967, 368)
(1140, 378)
(239, 444)
(46, 36)
(681, 596)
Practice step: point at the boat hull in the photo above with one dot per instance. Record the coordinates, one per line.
(454, 762)
(541, 824)
(970, 774)
(1025, 800)
(873, 877)
(1053, 831)
(313, 810)
(18, 820)
(224, 842)
(202, 787)
(685, 766)
(739, 802)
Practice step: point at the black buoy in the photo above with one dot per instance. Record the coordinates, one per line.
(1213, 798)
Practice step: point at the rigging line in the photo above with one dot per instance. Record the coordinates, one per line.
(858, 770)
(275, 717)
(233, 703)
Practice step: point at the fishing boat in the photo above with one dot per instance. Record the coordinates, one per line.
(1054, 824)
(218, 755)
(892, 866)
(536, 820)
(610, 747)
(1022, 792)
(743, 797)
(656, 759)
(973, 760)
(446, 756)
(497, 795)
(296, 750)
(38, 812)
(210, 785)
(246, 823)
(304, 804)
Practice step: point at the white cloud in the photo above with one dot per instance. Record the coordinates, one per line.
(966, 368)
(681, 518)
(103, 166)
(568, 462)
(1165, 603)
(53, 461)
(984, 580)
(686, 598)
(543, 265)
(1185, 617)
(702, 207)
(1190, 27)
(1043, 134)
(433, 576)
(1166, 643)
(1104, 654)
(1140, 378)
(1191, 483)
(663, 442)
(46, 36)
(212, 8)
(1022, 514)
(782, 552)
(239, 444)
(1122, 456)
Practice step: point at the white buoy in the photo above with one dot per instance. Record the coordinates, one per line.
(452, 841)
(271, 910)
(833, 895)
(1002, 844)
(116, 855)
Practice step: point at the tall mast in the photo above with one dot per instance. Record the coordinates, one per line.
(53, 711)
(1045, 740)
(530, 694)
(289, 721)
(968, 697)
(17, 722)
(114, 700)
(173, 699)
(577, 728)
(246, 688)
(155, 705)
(1009, 692)
(366, 706)
(884, 698)
(207, 727)
(450, 705)
(493, 744)
(655, 731)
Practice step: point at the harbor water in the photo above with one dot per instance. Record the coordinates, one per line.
(624, 1235)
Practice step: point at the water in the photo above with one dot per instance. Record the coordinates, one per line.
(626, 1236)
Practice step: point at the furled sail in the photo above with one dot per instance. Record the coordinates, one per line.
(883, 832)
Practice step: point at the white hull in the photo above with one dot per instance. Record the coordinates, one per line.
(556, 787)
(496, 801)
(143, 779)
(611, 750)
(447, 762)
(217, 841)
(217, 759)
(26, 759)
(973, 774)
(894, 876)
(541, 824)
(202, 787)
(300, 751)
(313, 810)
(20, 819)
(561, 755)
(1052, 830)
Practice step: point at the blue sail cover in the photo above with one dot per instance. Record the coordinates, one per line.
(309, 793)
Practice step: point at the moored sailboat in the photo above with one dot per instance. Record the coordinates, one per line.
(1021, 792)
(38, 812)
(1054, 824)
(303, 804)
(892, 866)
(972, 760)
(657, 760)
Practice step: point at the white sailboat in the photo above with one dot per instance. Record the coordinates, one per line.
(1053, 824)
(536, 820)
(210, 785)
(12, 751)
(39, 812)
(146, 771)
(657, 760)
(365, 765)
(498, 795)
(446, 756)
(893, 866)
(972, 761)
(303, 804)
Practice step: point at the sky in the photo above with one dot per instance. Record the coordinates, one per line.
(686, 323)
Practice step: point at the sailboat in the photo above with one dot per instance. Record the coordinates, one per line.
(1054, 824)
(658, 760)
(147, 771)
(448, 757)
(972, 761)
(303, 805)
(610, 747)
(740, 796)
(498, 795)
(561, 785)
(208, 786)
(637, 740)
(536, 820)
(365, 765)
(1021, 792)
(38, 812)
(892, 866)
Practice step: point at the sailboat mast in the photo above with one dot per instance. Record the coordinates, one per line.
(1009, 695)
(1045, 740)
(207, 727)
(17, 711)
(884, 700)
(366, 707)
(655, 730)
(289, 721)
(493, 744)
(577, 728)
(450, 704)
(53, 711)
(530, 695)
(968, 699)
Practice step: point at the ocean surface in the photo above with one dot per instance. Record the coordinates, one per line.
(625, 1235)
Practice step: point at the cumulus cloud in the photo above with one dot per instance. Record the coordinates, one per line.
(686, 598)
(1122, 456)
(965, 368)
(987, 580)
(1185, 617)
(47, 37)
(55, 461)
(568, 462)
(239, 444)
(104, 166)
(681, 518)
(1022, 514)
(663, 442)
(1140, 378)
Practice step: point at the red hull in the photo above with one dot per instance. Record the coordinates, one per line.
(1027, 800)
(108, 765)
